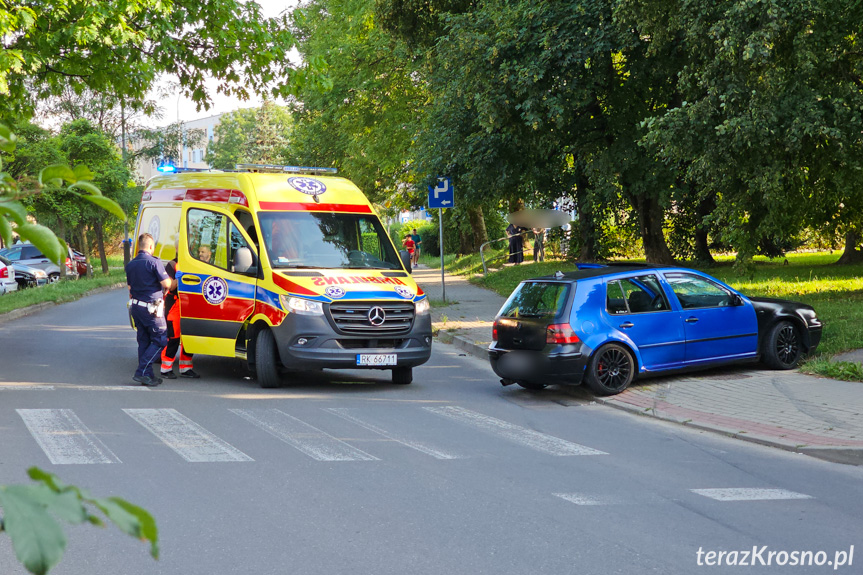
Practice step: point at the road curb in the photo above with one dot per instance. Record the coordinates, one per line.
(835, 454)
(475, 349)
(36, 308)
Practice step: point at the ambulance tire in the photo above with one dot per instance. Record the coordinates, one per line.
(267, 360)
(403, 375)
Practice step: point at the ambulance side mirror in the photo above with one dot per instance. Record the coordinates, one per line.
(244, 261)
(406, 260)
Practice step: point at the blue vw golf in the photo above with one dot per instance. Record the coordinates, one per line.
(606, 324)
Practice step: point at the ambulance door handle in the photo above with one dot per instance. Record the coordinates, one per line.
(189, 279)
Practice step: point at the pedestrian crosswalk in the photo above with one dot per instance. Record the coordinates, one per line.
(66, 440)
(324, 434)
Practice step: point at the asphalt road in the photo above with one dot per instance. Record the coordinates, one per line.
(343, 472)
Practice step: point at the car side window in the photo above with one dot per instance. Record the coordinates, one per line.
(644, 294)
(615, 300)
(693, 291)
(31, 253)
(14, 255)
(640, 294)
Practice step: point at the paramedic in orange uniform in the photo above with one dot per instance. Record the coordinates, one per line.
(169, 354)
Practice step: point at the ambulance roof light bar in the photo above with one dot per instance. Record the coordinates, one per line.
(286, 169)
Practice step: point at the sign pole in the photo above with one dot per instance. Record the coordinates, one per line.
(442, 283)
(442, 196)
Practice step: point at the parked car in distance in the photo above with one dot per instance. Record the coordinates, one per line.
(7, 276)
(26, 276)
(81, 265)
(608, 324)
(28, 254)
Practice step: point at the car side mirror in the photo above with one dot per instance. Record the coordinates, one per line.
(406, 260)
(736, 300)
(244, 261)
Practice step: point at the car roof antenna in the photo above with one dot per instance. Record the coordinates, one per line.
(558, 274)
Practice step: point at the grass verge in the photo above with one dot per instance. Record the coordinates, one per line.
(836, 293)
(60, 292)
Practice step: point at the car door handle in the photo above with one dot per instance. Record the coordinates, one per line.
(691, 319)
(626, 324)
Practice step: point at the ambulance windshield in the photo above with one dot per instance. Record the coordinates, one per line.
(326, 240)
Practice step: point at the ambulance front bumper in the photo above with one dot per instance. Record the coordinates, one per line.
(311, 342)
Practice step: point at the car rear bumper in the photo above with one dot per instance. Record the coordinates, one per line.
(8, 286)
(556, 364)
(324, 348)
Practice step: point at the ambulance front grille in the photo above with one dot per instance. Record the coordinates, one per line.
(353, 317)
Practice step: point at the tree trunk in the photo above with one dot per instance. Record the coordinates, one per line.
(85, 244)
(702, 249)
(852, 253)
(586, 221)
(650, 219)
(477, 224)
(100, 244)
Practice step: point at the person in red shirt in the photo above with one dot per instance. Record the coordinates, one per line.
(410, 246)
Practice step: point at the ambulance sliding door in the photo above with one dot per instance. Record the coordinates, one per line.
(215, 299)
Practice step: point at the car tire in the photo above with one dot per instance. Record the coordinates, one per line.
(783, 346)
(403, 375)
(53, 278)
(610, 370)
(267, 360)
(531, 386)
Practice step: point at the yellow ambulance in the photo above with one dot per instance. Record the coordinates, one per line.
(286, 268)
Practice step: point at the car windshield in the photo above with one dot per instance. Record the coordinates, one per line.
(327, 240)
(536, 300)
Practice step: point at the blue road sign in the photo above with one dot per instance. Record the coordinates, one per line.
(442, 196)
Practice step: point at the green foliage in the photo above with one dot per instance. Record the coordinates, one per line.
(31, 513)
(251, 136)
(122, 47)
(361, 100)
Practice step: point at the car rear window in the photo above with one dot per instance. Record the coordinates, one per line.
(537, 300)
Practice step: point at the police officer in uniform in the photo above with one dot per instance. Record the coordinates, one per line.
(147, 278)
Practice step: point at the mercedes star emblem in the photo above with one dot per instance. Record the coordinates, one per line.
(377, 315)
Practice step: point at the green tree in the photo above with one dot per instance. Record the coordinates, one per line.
(84, 144)
(770, 123)
(251, 135)
(120, 48)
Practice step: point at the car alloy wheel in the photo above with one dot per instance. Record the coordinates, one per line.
(611, 369)
(783, 346)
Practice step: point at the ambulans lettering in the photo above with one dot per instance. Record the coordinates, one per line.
(332, 280)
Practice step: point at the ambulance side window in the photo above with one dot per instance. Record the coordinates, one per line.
(208, 237)
(248, 223)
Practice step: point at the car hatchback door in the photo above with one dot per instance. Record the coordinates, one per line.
(718, 323)
(639, 310)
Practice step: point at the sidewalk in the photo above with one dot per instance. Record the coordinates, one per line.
(789, 410)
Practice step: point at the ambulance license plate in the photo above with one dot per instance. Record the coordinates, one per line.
(376, 359)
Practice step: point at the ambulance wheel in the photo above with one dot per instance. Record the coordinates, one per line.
(266, 360)
(403, 375)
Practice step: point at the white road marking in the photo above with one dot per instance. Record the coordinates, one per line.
(582, 499)
(64, 438)
(75, 387)
(515, 433)
(191, 441)
(421, 447)
(749, 494)
(304, 437)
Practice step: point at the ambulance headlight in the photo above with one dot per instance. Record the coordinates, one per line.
(422, 306)
(302, 306)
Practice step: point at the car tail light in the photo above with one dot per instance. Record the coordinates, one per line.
(4, 273)
(68, 263)
(494, 332)
(560, 333)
